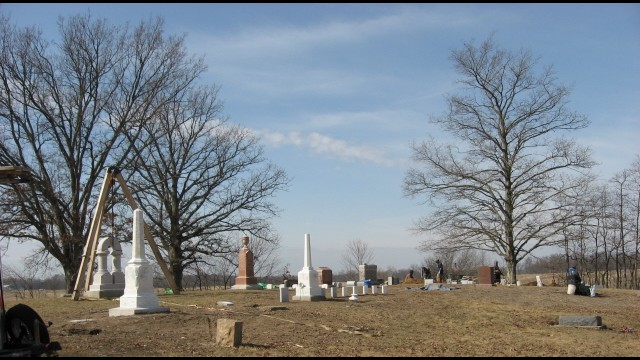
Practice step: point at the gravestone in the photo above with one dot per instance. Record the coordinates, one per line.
(580, 320)
(367, 272)
(485, 275)
(333, 292)
(229, 332)
(245, 279)
(139, 296)
(308, 288)
(284, 294)
(325, 275)
(107, 284)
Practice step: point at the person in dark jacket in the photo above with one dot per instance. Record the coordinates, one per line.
(440, 272)
(497, 273)
(573, 278)
(426, 273)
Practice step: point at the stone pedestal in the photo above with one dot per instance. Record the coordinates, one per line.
(139, 296)
(245, 279)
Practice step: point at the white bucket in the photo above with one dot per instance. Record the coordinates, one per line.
(571, 289)
(518, 283)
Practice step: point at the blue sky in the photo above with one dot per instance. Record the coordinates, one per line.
(337, 92)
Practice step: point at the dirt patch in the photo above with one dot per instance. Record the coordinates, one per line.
(471, 320)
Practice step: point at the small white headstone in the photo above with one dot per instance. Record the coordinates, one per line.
(333, 292)
(284, 294)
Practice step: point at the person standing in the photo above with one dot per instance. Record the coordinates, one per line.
(409, 277)
(440, 272)
(497, 273)
(426, 273)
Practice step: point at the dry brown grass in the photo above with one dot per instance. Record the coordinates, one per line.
(472, 320)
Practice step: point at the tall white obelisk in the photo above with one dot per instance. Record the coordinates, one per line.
(308, 288)
(139, 297)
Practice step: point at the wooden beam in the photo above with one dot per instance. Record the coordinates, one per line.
(85, 271)
(14, 174)
(147, 234)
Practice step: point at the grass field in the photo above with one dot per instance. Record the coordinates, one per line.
(471, 320)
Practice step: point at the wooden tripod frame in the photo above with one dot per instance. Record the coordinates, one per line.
(85, 272)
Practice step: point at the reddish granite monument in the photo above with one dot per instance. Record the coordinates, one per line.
(245, 279)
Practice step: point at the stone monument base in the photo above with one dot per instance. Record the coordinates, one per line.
(137, 311)
(246, 287)
(104, 293)
(308, 298)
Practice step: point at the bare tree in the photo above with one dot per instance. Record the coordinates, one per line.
(200, 180)
(457, 262)
(226, 267)
(358, 253)
(497, 190)
(64, 106)
(635, 210)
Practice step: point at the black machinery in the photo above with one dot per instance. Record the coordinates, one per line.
(23, 333)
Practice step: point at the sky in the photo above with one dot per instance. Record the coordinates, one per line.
(338, 92)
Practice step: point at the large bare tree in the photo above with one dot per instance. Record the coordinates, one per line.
(201, 180)
(496, 188)
(357, 253)
(64, 106)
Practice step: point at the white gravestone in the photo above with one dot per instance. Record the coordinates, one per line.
(308, 288)
(139, 296)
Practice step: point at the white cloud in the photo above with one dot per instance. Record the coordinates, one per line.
(269, 41)
(328, 146)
